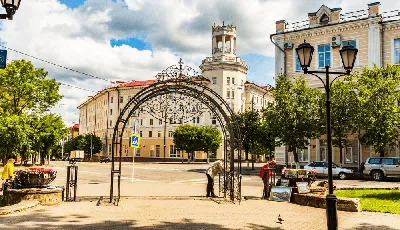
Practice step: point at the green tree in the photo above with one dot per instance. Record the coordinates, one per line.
(266, 135)
(210, 139)
(73, 144)
(344, 111)
(25, 88)
(248, 123)
(186, 137)
(379, 112)
(90, 141)
(14, 136)
(296, 114)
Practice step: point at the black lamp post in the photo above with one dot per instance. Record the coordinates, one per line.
(348, 55)
(11, 6)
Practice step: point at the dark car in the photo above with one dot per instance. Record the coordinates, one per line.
(105, 160)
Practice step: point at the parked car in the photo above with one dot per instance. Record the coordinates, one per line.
(380, 167)
(321, 169)
(105, 160)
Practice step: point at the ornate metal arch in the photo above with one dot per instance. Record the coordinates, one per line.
(179, 94)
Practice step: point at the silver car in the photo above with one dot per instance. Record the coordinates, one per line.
(380, 167)
(321, 169)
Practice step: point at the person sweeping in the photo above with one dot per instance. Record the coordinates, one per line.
(211, 172)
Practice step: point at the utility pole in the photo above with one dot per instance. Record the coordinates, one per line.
(165, 132)
(91, 146)
(252, 111)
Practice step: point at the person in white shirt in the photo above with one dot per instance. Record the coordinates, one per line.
(211, 172)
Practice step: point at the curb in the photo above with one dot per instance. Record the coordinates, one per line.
(362, 188)
(18, 207)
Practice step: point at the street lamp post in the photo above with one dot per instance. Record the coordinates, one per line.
(348, 55)
(11, 7)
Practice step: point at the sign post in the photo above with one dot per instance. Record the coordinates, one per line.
(134, 143)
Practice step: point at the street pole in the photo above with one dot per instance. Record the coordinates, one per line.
(165, 132)
(331, 210)
(252, 156)
(91, 147)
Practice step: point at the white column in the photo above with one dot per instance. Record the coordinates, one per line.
(214, 44)
(374, 45)
(231, 44)
(279, 61)
(223, 44)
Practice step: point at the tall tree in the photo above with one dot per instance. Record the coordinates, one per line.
(379, 97)
(90, 143)
(344, 111)
(185, 136)
(25, 88)
(248, 123)
(296, 114)
(210, 139)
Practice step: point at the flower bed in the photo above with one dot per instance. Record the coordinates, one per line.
(35, 177)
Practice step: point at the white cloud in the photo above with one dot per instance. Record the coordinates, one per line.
(80, 38)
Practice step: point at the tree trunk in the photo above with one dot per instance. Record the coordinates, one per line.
(382, 153)
(247, 159)
(188, 157)
(252, 162)
(296, 158)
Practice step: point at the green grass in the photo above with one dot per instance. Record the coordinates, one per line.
(375, 200)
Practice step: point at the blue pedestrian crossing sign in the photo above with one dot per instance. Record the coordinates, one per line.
(3, 59)
(135, 140)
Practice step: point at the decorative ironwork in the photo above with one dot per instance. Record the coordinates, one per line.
(178, 72)
(178, 96)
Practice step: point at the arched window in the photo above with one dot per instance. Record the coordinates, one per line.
(324, 19)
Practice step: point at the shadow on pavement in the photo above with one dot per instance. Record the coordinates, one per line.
(43, 221)
(370, 226)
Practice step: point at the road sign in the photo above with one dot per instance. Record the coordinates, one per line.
(3, 59)
(135, 140)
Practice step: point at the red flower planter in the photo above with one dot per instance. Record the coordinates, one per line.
(35, 177)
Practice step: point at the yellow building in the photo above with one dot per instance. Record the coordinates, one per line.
(224, 72)
(375, 34)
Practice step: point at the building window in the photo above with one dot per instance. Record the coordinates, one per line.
(194, 120)
(324, 55)
(157, 150)
(170, 134)
(348, 157)
(121, 100)
(173, 152)
(233, 94)
(151, 121)
(228, 80)
(213, 121)
(214, 80)
(397, 51)
(303, 154)
(150, 133)
(324, 19)
(141, 121)
(298, 67)
(140, 133)
(111, 100)
(159, 121)
(233, 81)
(228, 93)
(109, 149)
(110, 112)
(138, 152)
(198, 120)
(159, 134)
(110, 122)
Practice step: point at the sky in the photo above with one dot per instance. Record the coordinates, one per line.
(136, 39)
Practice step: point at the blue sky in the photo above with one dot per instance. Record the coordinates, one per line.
(72, 3)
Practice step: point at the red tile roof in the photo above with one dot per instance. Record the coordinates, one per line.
(266, 87)
(135, 83)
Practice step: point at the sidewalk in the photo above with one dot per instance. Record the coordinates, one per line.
(189, 213)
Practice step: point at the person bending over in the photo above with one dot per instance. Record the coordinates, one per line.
(211, 172)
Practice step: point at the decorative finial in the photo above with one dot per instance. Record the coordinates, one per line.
(223, 23)
(180, 64)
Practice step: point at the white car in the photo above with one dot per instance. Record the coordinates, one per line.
(321, 169)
